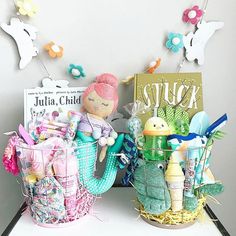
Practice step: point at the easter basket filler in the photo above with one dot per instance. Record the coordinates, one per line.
(57, 160)
(169, 157)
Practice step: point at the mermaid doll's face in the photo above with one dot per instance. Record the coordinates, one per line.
(98, 106)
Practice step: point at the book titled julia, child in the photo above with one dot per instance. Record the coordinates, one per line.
(176, 89)
(50, 103)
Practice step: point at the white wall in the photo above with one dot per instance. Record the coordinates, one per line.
(121, 37)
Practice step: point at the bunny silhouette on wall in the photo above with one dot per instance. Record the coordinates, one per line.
(24, 35)
(195, 43)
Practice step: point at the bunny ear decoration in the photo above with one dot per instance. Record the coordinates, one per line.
(50, 83)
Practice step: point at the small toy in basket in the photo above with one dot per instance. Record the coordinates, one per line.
(58, 167)
(172, 177)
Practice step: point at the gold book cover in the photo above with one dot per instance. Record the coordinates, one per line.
(175, 89)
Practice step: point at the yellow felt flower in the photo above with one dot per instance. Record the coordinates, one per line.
(26, 7)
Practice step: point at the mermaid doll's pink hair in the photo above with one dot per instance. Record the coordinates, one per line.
(106, 87)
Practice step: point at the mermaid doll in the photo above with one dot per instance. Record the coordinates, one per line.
(87, 128)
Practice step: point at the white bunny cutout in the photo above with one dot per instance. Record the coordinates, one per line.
(24, 35)
(195, 43)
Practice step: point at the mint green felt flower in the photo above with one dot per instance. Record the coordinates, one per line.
(76, 71)
(175, 42)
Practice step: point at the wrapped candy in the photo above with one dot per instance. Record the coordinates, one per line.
(134, 123)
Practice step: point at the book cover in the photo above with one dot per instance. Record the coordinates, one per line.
(50, 103)
(176, 89)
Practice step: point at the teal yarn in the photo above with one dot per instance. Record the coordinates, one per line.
(151, 187)
(87, 157)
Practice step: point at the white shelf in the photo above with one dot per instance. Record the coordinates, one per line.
(114, 215)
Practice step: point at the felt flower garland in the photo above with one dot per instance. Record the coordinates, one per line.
(192, 15)
(153, 66)
(54, 50)
(175, 42)
(196, 41)
(26, 7)
(76, 71)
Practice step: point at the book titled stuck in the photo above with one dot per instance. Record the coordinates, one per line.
(175, 89)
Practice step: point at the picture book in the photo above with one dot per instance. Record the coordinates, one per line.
(175, 89)
(51, 103)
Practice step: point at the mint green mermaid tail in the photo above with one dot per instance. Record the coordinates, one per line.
(87, 157)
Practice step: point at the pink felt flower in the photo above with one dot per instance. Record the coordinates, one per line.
(9, 158)
(192, 15)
